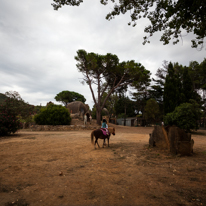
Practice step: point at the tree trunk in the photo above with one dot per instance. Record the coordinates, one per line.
(98, 115)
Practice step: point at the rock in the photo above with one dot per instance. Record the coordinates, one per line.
(176, 140)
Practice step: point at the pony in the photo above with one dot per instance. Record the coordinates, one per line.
(98, 134)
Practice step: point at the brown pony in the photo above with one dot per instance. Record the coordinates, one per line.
(99, 135)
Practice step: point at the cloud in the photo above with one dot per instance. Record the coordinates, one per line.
(38, 45)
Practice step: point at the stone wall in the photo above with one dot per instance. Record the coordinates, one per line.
(62, 127)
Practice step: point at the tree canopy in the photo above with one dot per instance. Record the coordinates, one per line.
(177, 84)
(151, 110)
(12, 109)
(66, 97)
(18, 105)
(111, 102)
(173, 18)
(125, 107)
(140, 97)
(185, 116)
(109, 75)
(171, 90)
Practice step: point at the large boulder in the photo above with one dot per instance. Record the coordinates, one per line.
(75, 116)
(105, 111)
(78, 108)
(176, 140)
(158, 138)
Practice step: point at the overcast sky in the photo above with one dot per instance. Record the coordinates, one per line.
(38, 45)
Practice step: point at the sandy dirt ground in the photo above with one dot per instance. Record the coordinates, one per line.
(63, 169)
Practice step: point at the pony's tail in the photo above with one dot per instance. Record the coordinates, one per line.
(92, 137)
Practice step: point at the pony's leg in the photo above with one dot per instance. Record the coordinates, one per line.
(96, 141)
(108, 141)
(104, 143)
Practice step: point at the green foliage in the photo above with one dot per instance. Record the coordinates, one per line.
(2, 98)
(109, 75)
(110, 103)
(38, 108)
(185, 116)
(171, 92)
(139, 116)
(21, 108)
(198, 75)
(170, 17)
(187, 87)
(151, 110)
(12, 111)
(125, 106)
(9, 121)
(122, 115)
(104, 113)
(94, 112)
(141, 97)
(177, 84)
(53, 115)
(202, 74)
(67, 97)
(156, 91)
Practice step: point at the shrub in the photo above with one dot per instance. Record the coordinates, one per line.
(8, 124)
(9, 121)
(185, 116)
(53, 115)
(12, 111)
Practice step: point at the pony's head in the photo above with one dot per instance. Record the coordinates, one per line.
(113, 132)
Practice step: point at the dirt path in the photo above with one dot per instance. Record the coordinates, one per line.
(62, 169)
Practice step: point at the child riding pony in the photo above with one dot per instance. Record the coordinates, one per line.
(98, 134)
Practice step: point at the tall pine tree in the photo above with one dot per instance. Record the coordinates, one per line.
(171, 92)
(187, 87)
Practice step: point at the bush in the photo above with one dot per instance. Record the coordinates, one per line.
(9, 121)
(12, 111)
(185, 116)
(53, 115)
(8, 124)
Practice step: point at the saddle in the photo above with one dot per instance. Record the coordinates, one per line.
(105, 131)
